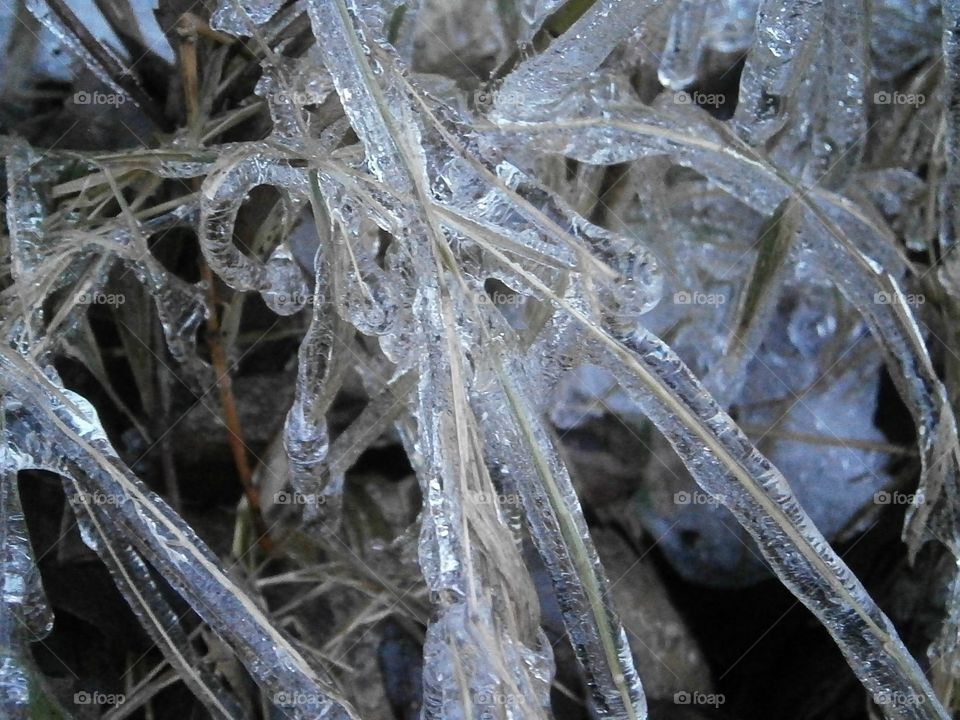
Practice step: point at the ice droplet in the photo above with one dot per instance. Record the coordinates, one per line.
(284, 288)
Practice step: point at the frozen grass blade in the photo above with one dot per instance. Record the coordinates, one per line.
(144, 520)
(726, 465)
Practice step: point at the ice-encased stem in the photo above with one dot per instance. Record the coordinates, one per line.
(72, 444)
(155, 614)
(726, 465)
(19, 599)
(843, 241)
(684, 46)
(787, 40)
(536, 85)
(950, 185)
(840, 120)
(724, 462)
(476, 650)
(522, 447)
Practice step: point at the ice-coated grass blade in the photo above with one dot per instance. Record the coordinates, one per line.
(726, 465)
(846, 244)
(155, 614)
(73, 444)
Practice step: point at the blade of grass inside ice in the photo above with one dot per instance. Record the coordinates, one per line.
(724, 462)
(155, 614)
(60, 433)
(832, 232)
(757, 304)
(394, 157)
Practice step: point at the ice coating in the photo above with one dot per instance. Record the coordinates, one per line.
(950, 188)
(25, 215)
(48, 420)
(731, 25)
(447, 427)
(138, 588)
(37, 252)
(25, 615)
(519, 447)
(460, 215)
(785, 44)
(725, 464)
(285, 290)
(239, 17)
(305, 434)
(222, 194)
(681, 57)
(832, 233)
(543, 80)
(42, 11)
(839, 122)
(470, 562)
(534, 13)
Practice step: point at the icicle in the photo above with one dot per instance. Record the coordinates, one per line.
(305, 434)
(684, 50)
(285, 290)
(25, 615)
(788, 34)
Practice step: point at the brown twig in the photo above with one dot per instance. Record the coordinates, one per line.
(231, 416)
(187, 54)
